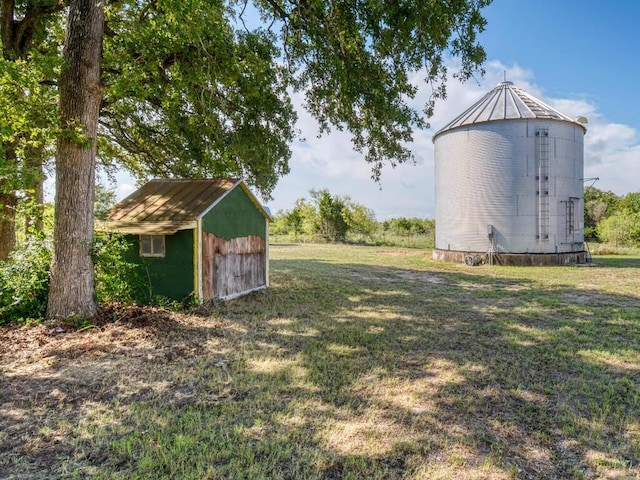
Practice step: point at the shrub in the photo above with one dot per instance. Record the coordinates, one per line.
(117, 280)
(621, 229)
(24, 278)
(24, 282)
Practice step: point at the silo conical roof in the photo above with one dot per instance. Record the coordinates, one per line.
(506, 102)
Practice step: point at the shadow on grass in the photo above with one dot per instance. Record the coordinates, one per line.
(617, 261)
(354, 371)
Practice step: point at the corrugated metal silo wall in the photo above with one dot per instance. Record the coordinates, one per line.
(488, 174)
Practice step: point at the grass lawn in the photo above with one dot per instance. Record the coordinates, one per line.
(357, 363)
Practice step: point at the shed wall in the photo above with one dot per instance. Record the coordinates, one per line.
(234, 247)
(170, 276)
(232, 267)
(235, 216)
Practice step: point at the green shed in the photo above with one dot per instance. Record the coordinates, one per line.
(206, 237)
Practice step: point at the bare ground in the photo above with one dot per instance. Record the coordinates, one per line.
(52, 373)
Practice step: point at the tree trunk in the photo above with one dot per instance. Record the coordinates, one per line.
(7, 224)
(8, 202)
(71, 289)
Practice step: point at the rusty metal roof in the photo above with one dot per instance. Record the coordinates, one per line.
(506, 102)
(168, 205)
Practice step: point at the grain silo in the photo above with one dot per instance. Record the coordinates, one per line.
(509, 183)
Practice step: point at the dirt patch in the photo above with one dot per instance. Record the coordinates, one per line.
(115, 329)
(52, 374)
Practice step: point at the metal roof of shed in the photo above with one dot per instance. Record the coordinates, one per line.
(168, 205)
(506, 102)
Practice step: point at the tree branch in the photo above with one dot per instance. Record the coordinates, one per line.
(17, 35)
(279, 10)
(7, 25)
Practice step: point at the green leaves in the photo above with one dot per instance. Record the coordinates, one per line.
(117, 280)
(621, 229)
(28, 122)
(195, 88)
(330, 224)
(24, 281)
(190, 96)
(610, 218)
(325, 217)
(356, 61)
(202, 88)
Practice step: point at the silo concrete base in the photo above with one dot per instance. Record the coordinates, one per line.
(511, 259)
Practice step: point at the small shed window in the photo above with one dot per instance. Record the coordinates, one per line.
(152, 246)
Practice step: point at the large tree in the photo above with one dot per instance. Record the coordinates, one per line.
(71, 288)
(202, 87)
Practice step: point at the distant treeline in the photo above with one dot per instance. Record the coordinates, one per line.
(324, 217)
(612, 219)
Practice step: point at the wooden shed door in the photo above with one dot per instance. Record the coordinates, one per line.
(233, 266)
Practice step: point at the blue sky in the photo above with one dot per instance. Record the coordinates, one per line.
(579, 56)
(576, 49)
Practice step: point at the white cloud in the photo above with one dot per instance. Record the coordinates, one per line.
(124, 189)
